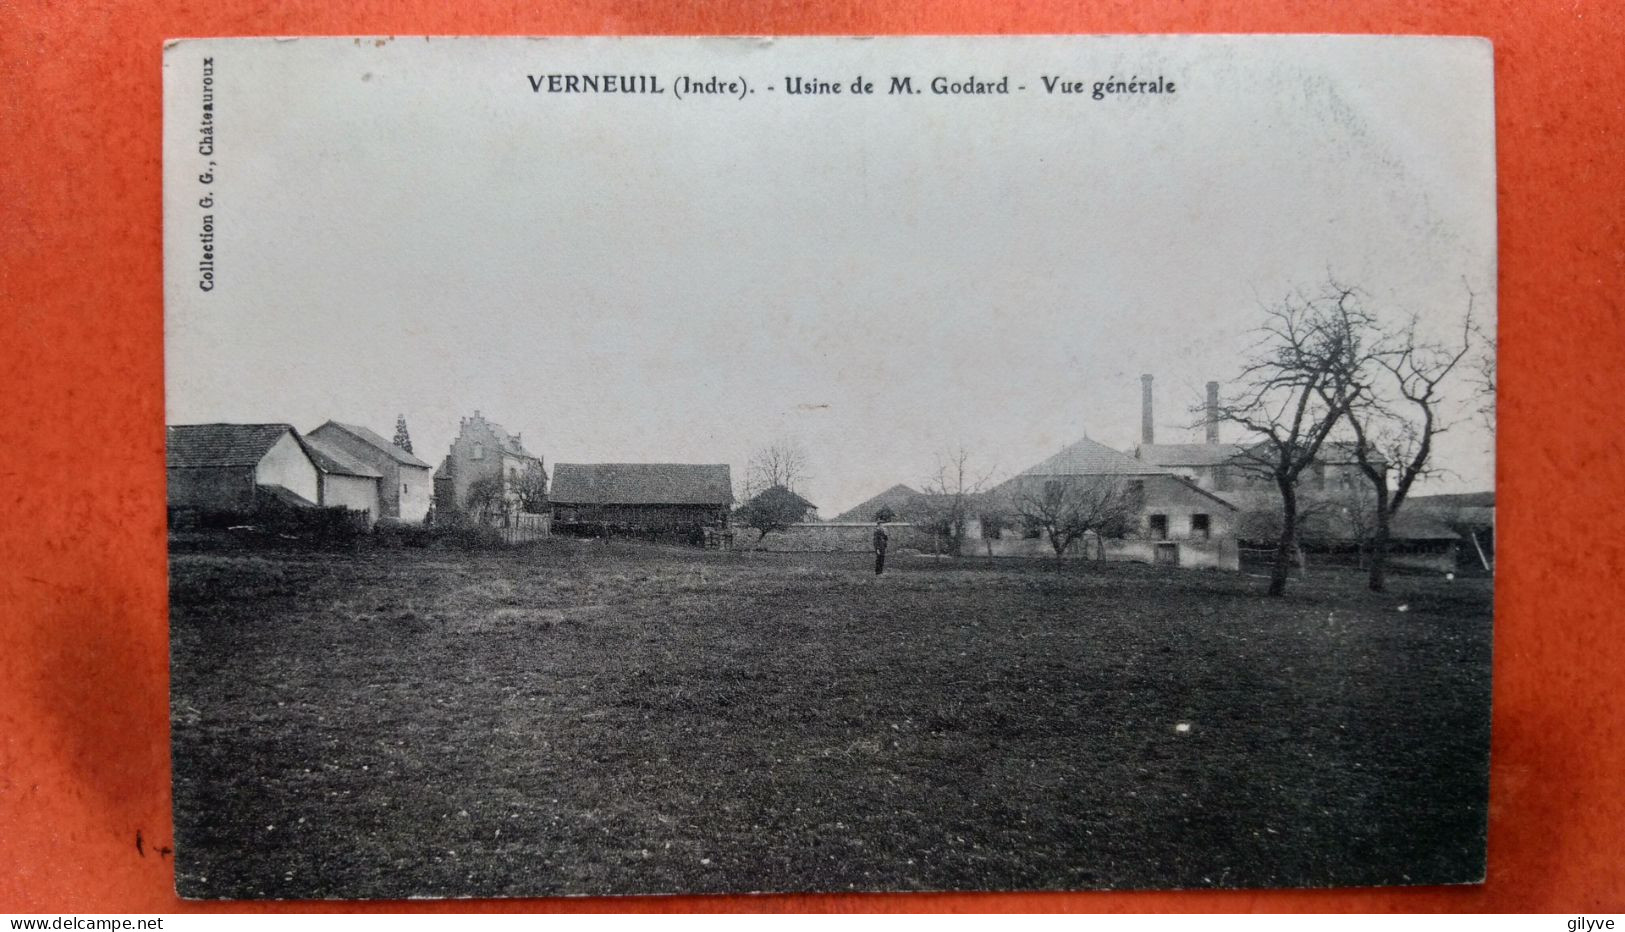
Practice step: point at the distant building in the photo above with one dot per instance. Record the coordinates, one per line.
(345, 482)
(405, 482)
(1336, 502)
(232, 468)
(682, 501)
(483, 449)
(1235, 467)
(1171, 519)
(900, 502)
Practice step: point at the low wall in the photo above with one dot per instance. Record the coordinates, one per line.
(1221, 554)
(858, 537)
(831, 537)
(1218, 554)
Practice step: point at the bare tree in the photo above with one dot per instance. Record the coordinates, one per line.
(782, 464)
(1393, 398)
(1286, 398)
(952, 495)
(531, 487)
(1484, 379)
(1066, 508)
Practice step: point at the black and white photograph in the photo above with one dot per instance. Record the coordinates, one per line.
(605, 466)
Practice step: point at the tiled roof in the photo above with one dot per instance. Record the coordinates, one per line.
(330, 459)
(1089, 458)
(202, 445)
(286, 496)
(374, 439)
(511, 444)
(1188, 454)
(641, 484)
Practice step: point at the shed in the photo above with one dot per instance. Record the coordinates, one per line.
(345, 482)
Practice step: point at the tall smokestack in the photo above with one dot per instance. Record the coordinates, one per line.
(1213, 412)
(1148, 434)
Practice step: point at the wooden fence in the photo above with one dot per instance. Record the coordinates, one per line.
(523, 528)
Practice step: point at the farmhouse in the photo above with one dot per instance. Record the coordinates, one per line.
(484, 450)
(234, 468)
(1167, 518)
(404, 480)
(344, 481)
(680, 501)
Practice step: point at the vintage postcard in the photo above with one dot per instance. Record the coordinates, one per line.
(679, 465)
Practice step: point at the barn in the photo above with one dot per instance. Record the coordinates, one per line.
(345, 482)
(228, 468)
(406, 485)
(675, 501)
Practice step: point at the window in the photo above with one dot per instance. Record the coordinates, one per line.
(479, 452)
(1159, 527)
(1201, 529)
(403, 488)
(1052, 491)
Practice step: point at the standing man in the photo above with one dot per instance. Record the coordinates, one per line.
(881, 539)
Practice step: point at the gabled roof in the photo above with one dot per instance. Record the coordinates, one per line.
(641, 484)
(1089, 458)
(202, 445)
(330, 459)
(373, 439)
(511, 444)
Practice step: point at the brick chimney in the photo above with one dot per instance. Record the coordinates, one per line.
(1213, 412)
(1147, 432)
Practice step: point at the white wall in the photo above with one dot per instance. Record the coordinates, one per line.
(417, 490)
(287, 465)
(356, 492)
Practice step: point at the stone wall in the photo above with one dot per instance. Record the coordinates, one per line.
(831, 537)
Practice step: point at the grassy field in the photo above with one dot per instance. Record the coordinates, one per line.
(589, 718)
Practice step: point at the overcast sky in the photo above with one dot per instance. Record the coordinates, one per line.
(407, 228)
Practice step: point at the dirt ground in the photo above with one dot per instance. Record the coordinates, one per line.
(580, 717)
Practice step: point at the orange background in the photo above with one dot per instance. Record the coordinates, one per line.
(84, 761)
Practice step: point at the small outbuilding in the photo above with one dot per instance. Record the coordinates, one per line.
(345, 482)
